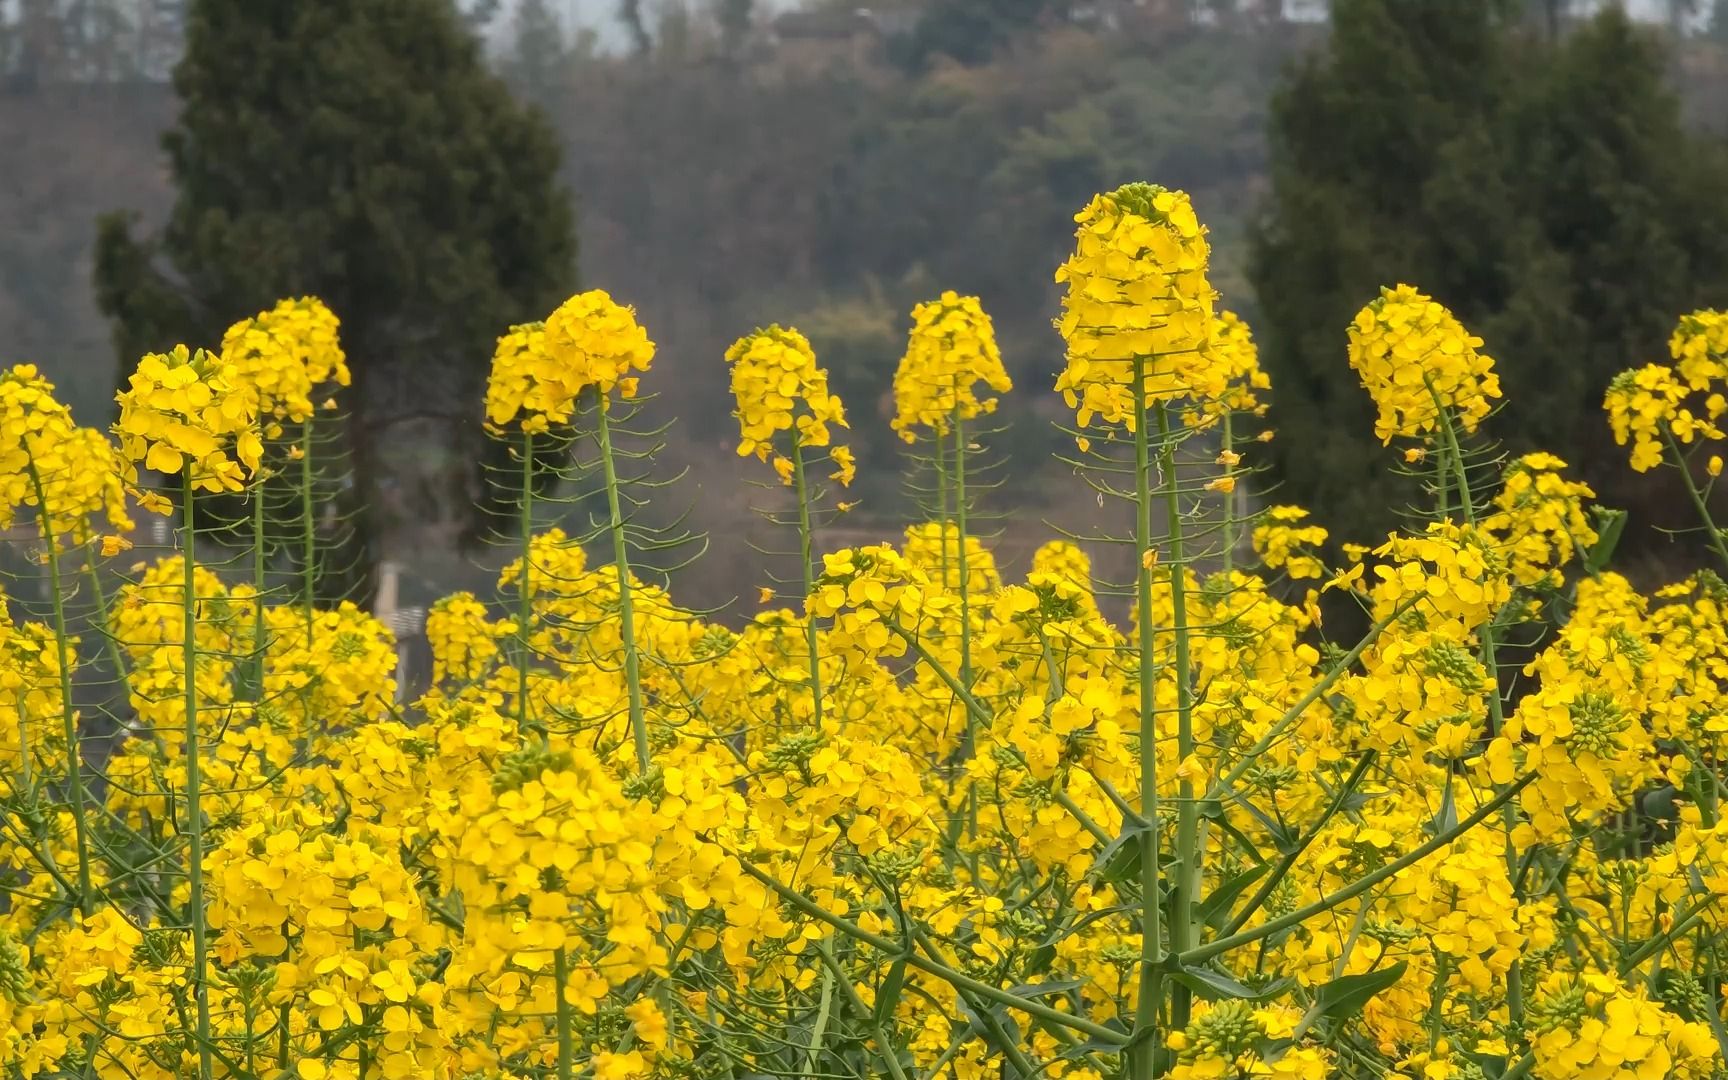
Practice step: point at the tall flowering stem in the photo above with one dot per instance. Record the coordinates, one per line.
(1187, 808)
(194, 823)
(626, 606)
(950, 374)
(195, 414)
(807, 570)
(1144, 1066)
(1138, 320)
(69, 715)
(784, 411)
(524, 584)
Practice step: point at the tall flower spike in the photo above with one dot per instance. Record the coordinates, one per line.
(540, 369)
(1415, 358)
(951, 349)
(79, 471)
(1137, 288)
(186, 409)
(596, 342)
(780, 389)
(287, 353)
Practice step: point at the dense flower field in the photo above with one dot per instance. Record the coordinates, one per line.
(923, 821)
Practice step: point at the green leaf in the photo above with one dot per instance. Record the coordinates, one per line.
(1215, 909)
(1212, 985)
(1609, 525)
(1345, 996)
(1120, 859)
(1047, 989)
(888, 994)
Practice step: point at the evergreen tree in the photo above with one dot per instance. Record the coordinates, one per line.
(356, 150)
(1544, 190)
(540, 54)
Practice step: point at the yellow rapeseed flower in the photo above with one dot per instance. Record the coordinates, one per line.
(190, 410)
(1415, 359)
(1137, 293)
(950, 350)
(783, 401)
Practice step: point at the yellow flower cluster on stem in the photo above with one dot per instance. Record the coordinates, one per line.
(950, 350)
(1137, 306)
(783, 404)
(540, 370)
(191, 412)
(287, 354)
(1416, 359)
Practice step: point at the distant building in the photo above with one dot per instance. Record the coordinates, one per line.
(819, 40)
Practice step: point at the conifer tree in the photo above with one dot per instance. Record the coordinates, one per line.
(1544, 190)
(359, 151)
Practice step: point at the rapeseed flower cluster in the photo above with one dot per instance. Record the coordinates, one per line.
(783, 403)
(1420, 365)
(1658, 408)
(1137, 301)
(541, 370)
(949, 352)
(949, 814)
(192, 411)
(287, 353)
(62, 475)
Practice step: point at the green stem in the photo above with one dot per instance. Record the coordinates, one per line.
(820, 1028)
(809, 570)
(884, 1049)
(1229, 443)
(257, 664)
(1144, 1064)
(930, 967)
(524, 598)
(68, 715)
(965, 574)
(1188, 848)
(194, 779)
(626, 613)
(1697, 497)
(308, 536)
(566, 1022)
(1201, 953)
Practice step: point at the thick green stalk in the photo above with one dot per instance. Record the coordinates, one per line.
(626, 614)
(1144, 1064)
(965, 565)
(819, 1029)
(566, 1022)
(68, 714)
(194, 779)
(808, 569)
(1188, 848)
(524, 595)
(308, 537)
(257, 664)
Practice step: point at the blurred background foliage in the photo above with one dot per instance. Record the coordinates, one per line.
(1553, 170)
